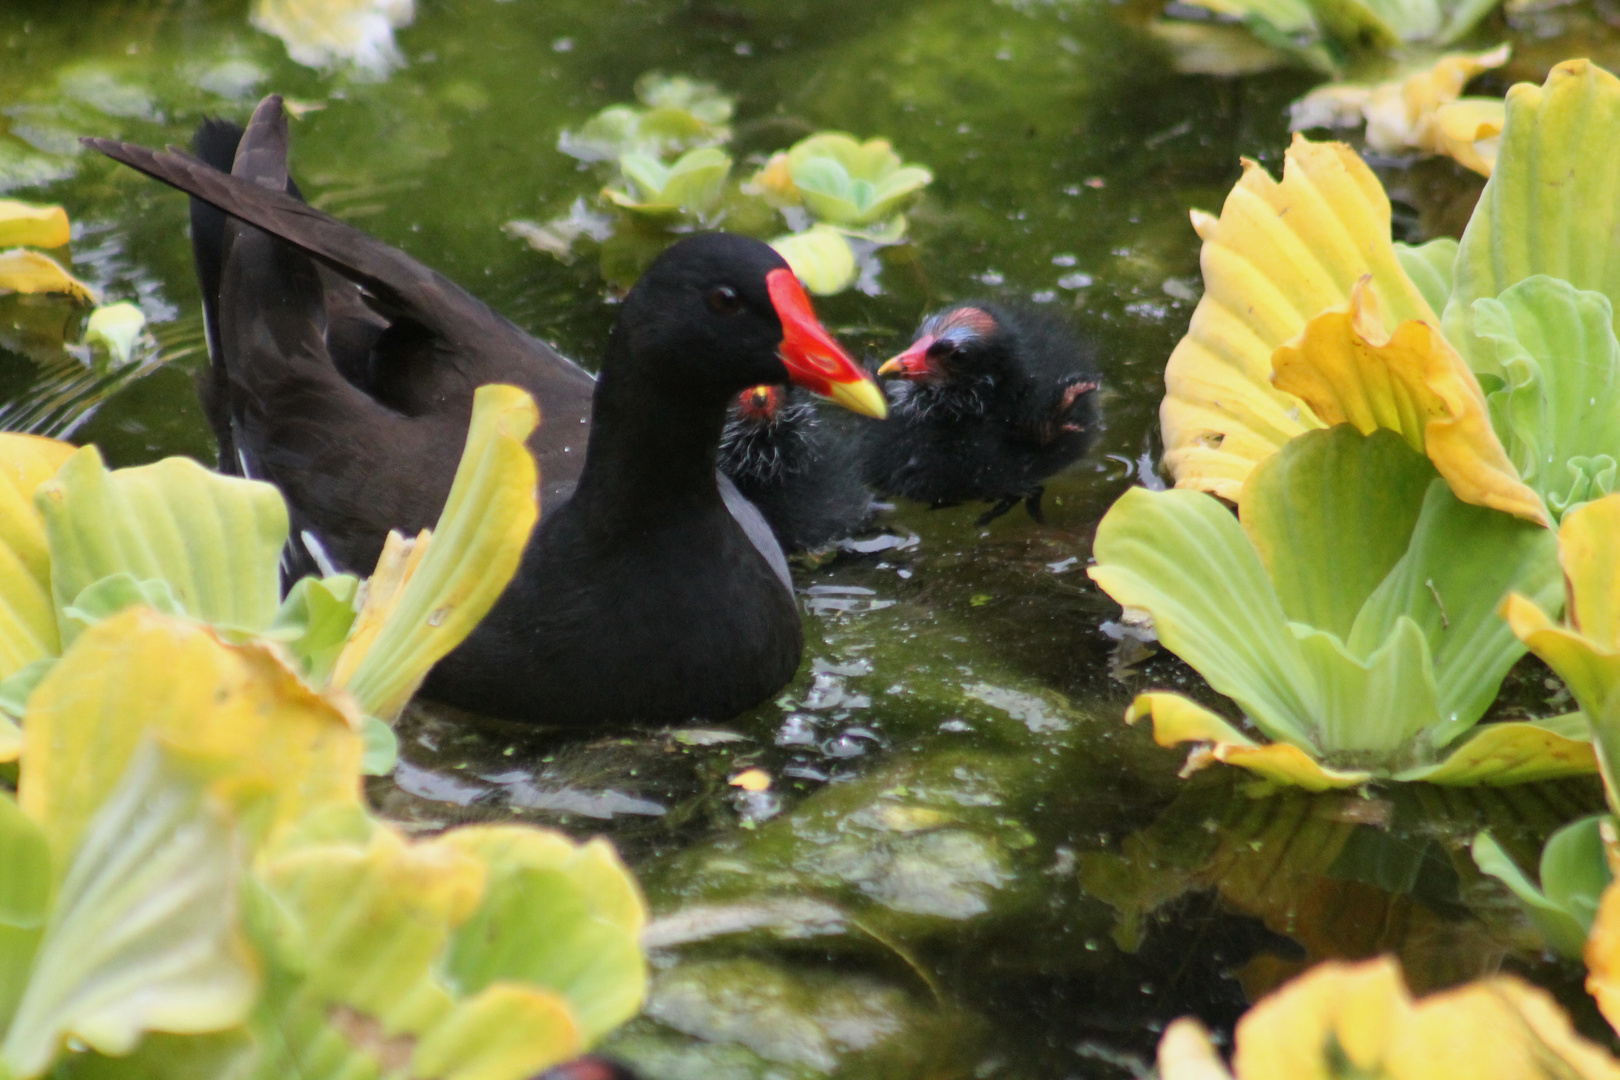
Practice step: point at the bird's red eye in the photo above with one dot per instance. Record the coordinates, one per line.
(724, 300)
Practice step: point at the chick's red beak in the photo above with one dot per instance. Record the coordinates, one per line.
(914, 362)
(812, 358)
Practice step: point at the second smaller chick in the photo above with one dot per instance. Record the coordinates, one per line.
(802, 472)
(995, 399)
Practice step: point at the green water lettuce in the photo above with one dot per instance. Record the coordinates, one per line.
(675, 114)
(845, 182)
(1558, 405)
(1361, 636)
(1572, 876)
(820, 257)
(195, 887)
(691, 186)
(1335, 35)
(1550, 205)
(179, 539)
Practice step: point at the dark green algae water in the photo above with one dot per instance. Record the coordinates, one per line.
(966, 865)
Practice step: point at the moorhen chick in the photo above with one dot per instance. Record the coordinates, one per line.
(994, 400)
(650, 592)
(802, 472)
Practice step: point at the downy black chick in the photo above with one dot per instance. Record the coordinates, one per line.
(992, 400)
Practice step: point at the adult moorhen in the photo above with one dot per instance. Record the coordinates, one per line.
(650, 592)
(995, 400)
(802, 472)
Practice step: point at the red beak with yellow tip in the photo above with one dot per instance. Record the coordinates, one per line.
(914, 362)
(813, 359)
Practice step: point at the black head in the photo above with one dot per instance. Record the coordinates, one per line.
(718, 313)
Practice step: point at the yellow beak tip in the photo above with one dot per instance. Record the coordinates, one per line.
(890, 367)
(862, 396)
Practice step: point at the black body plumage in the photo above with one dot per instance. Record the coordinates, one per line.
(995, 399)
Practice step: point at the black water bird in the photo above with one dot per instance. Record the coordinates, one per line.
(802, 470)
(344, 373)
(995, 399)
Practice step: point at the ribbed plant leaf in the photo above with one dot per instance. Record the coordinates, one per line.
(1552, 204)
(1559, 413)
(420, 606)
(1429, 266)
(1461, 562)
(1360, 498)
(279, 747)
(143, 932)
(27, 615)
(560, 915)
(1279, 255)
(820, 257)
(215, 539)
(1182, 556)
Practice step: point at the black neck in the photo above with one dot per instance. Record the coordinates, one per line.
(651, 452)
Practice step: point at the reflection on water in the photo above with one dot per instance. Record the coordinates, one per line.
(961, 863)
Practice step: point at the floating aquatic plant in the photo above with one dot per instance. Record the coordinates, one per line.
(1313, 318)
(692, 186)
(859, 186)
(324, 34)
(1343, 1020)
(1351, 616)
(1328, 37)
(177, 538)
(1420, 110)
(675, 114)
(26, 271)
(1573, 873)
(671, 172)
(197, 796)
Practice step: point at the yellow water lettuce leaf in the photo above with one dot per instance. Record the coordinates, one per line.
(1340, 1020)
(425, 599)
(1603, 957)
(1587, 541)
(1279, 255)
(373, 917)
(1177, 720)
(27, 616)
(506, 1031)
(1551, 205)
(25, 271)
(1186, 1052)
(1404, 113)
(275, 745)
(1348, 368)
(1513, 753)
(35, 226)
(1589, 664)
(1470, 130)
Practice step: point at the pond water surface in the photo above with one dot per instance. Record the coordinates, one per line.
(966, 865)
